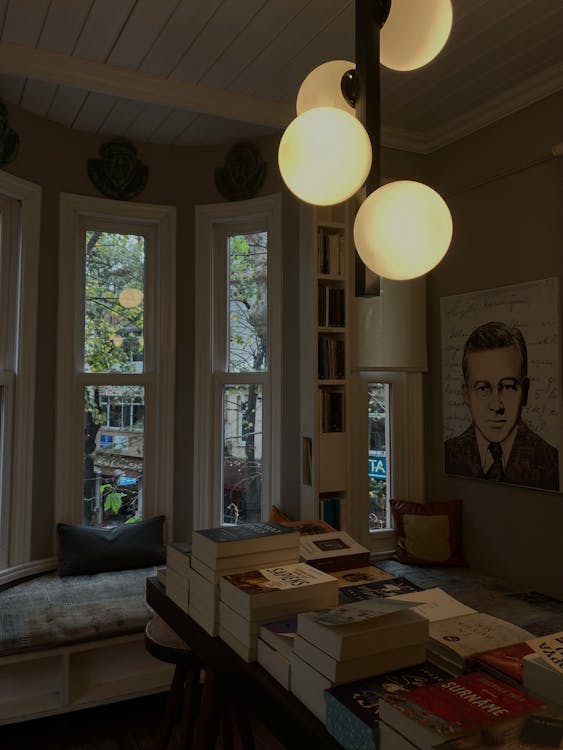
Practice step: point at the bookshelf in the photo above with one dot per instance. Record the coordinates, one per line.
(325, 294)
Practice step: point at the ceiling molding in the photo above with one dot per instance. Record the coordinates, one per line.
(38, 64)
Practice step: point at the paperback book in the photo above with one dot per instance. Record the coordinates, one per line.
(348, 632)
(542, 680)
(505, 663)
(210, 545)
(309, 686)
(178, 556)
(550, 648)
(278, 665)
(280, 634)
(352, 710)
(455, 640)
(262, 591)
(436, 604)
(318, 526)
(358, 576)
(391, 587)
(332, 551)
(445, 710)
(541, 730)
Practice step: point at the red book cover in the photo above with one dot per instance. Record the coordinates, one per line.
(464, 703)
(506, 660)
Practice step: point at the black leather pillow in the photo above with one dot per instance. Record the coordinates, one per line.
(85, 550)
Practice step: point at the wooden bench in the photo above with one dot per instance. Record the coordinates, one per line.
(75, 642)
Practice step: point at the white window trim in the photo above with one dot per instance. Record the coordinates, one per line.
(159, 374)
(206, 508)
(16, 524)
(407, 449)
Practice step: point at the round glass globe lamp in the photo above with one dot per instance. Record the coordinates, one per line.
(130, 297)
(402, 230)
(414, 33)
(322, 88)
(324, 156)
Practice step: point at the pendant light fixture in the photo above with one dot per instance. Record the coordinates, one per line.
(404, 228)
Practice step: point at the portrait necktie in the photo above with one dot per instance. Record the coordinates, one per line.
(496, 471)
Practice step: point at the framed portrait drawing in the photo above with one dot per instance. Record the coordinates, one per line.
(501, 385)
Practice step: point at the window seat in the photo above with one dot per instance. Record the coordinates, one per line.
(74, 642)
(535, 612)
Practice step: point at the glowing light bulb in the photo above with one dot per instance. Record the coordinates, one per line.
(324, 156)
(321, 88)
(402, 230)
(414, 33)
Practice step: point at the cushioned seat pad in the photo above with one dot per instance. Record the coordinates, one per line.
(50, 611)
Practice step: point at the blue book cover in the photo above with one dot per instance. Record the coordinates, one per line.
(371, 589)
(352, 710)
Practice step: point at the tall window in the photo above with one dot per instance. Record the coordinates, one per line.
(20, 208)
(237, 378)
(113, 329)
(379, 455)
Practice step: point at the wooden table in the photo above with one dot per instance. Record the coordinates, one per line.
(226, 674)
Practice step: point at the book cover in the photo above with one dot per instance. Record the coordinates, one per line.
(332, 551)
(224, 541)
(505, 662)
(459, 638)
(550, 648)
(279, 585)
(318, 526)
(449, 708)
(280, 634)
(436, 604)
(542, 730)
(387, 588)
(357, 576)
(352, 710)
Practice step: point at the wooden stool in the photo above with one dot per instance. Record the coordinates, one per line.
(164, 644)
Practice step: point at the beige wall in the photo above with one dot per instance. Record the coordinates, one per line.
(505, 190)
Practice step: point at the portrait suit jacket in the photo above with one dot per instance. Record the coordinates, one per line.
(532, 461)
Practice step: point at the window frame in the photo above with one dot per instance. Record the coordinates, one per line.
(17, 367)
(406, 449)
(157, 223)
(213, 221)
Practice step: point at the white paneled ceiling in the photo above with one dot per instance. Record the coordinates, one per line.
(192, 72)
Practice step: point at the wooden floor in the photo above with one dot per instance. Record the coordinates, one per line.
(130, 725)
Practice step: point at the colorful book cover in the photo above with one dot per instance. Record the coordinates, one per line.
(550, 648)
(506, 661)
(277, 578)
(286, 627)
(390, 587)
(463, 704)
(353, 709)
(358, 576)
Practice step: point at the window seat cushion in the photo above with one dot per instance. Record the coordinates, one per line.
(50, 610)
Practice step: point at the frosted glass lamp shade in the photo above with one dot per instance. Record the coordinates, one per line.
(324, 156)
(414, 33)
(322, 88)
(402, 230)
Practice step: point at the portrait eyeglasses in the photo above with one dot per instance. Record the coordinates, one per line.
(505, 388)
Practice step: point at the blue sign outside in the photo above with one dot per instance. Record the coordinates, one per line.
(377, 467)
(123, 480)
(106, 441)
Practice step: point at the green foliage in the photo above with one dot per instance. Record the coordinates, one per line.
(113, 500)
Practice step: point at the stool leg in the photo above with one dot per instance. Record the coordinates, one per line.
(207, 724)
(172, 704)
(192, 698)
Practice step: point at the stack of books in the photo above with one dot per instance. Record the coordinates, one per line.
(232, 549)
(455, 640)
(275, 646)
(352, 710)
(330, 551)
(429, 715)
(543, 668)
(176, 580)
(351, 642)
(250, 599)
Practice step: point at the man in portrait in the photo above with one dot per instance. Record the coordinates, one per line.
(498, 445)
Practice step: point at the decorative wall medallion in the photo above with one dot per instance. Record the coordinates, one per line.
(242, 175)
(9, 139)
(118, 174)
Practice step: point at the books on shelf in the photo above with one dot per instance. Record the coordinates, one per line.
(352, 710)
(339, 671)
(331, 411)
(331, 357)
(444, 710)
(541, 679)
(333, 551)
(504, 663)
(330, 511)
(436, 604)
(278, 591)
(356, 632)
(211, 545)
(386, 588)
(330, 251)
(455, 640)
(331, 306)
